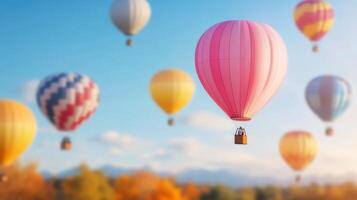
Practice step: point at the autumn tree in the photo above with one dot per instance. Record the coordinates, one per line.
(136, 186)
(246, 194)
(146, 186)
(313, 192)
(220, 192)
(166, 190)
(192, 192)
(25, 182)
(87, 185)
(349, 190)
(268, 193)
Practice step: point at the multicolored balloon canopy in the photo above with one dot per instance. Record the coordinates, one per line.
(130, 16)
(68, 99)
(298, 149)
(241, 64)
(314, 18)
(172, 90)
(328, 97)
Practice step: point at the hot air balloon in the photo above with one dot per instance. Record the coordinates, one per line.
(130, 16)
(314, 18)
(67, 99)
(17, 131)
(172, 89)
(328, 97)
(241, 64)
(298, 149)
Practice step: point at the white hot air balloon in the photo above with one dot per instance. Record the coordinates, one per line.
(130, 16)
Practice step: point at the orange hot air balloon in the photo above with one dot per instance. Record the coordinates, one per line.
(314, 18)
(172, 89)
(298, 149)
(17, 131)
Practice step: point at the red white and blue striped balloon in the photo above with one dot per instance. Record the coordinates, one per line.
(328, 96)
(67, 99)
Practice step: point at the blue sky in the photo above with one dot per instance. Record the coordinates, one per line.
(39, 38)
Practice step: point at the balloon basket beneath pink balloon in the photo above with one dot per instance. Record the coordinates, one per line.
(240, 137)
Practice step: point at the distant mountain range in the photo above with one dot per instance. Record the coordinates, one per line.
(203, 176)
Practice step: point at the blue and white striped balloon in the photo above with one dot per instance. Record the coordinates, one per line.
(328, 96)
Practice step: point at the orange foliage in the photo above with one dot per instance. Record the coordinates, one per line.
(146, 186)
(25, 183)
(135, 187)
(166, 190)
(192, 192)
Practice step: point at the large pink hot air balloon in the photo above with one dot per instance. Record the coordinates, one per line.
(241, 65)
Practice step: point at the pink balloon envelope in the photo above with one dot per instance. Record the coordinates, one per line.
(241, 64)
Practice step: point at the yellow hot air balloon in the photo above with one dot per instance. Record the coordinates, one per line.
(298, 149)
(17, 130)
(172, 89)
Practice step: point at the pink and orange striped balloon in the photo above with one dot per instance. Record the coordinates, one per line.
(314, 18)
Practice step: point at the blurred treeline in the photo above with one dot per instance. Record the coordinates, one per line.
(26, 183)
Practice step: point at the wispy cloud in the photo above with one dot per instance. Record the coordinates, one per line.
(28, 90)
(185, 145)
(208, 121)
(118, 142)
(115, 151)
(180, 154)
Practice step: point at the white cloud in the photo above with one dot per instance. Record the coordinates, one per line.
(185, 145)
(208, 121)
(118, 142)
(115, 151)
(181, 154)
(28, 90)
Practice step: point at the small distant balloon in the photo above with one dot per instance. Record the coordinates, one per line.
(241, 64)
(298, 149)
(130, 16)
(314, 18)
(172, 90)
(17, 131)
(68, 99)
(328, 97)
